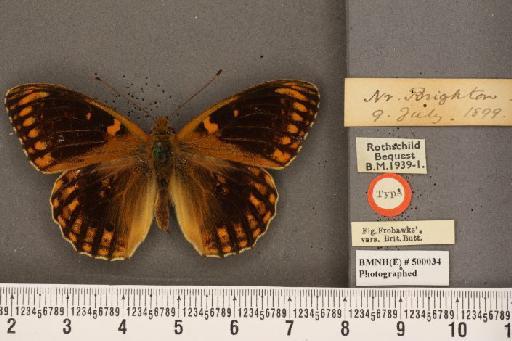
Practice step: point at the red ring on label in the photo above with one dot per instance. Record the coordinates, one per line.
(398, 209)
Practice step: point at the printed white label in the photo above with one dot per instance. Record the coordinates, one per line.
(402, 268)
(391, 155)
(397, 233)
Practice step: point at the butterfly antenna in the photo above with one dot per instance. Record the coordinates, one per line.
(118, 94)
(217, 74)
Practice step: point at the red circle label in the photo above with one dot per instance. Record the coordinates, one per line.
(389, 194)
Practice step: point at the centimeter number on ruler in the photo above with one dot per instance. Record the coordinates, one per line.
(54, 312)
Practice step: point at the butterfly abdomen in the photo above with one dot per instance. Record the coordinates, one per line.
(161, 153)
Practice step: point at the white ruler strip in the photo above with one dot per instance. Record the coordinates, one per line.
(88, 312)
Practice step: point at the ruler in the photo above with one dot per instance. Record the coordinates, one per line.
(90, 312)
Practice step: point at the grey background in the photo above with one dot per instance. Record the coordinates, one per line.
(179, 45)
(469, 169)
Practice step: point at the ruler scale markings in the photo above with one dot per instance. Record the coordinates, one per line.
(420, 301)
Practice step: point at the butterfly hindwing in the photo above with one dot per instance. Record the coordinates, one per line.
(105, 210)
(105, 199)
(62, 129)
(263, 126)
(222, 207)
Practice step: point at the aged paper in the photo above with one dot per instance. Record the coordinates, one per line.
(401, 233)
(393, 155)
(427, 102)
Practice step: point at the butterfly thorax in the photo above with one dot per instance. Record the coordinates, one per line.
(161, 153)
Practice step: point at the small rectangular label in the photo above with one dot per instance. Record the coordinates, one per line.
(401, 233)
(391, 155)
(399, 268)
(427, 102)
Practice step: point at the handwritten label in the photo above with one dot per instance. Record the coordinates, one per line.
(427, 102)
(400, 233)
(393, 155)
(397, 268)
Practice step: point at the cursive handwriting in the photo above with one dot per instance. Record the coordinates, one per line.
(422, 94)
(440, 97)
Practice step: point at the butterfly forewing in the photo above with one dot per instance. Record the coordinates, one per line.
(264, 126)
(62, 129)
(105, 198)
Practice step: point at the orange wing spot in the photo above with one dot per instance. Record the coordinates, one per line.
(86, 247)
(25, 111)
(28, 91)
(291, 93)
(30, 150)
(114, 128)
(292, 128)
(296, 87)
(239, 231)
(71, 175)
(55, 203)
(61, 221)
(32, 97)
(226, 249)
(256, 233)
(72, 237)
(77, 225)
(28, 122)
(67, 191)
(40, 145)
(269, 180)
(89, 235)
(285, 140)
(253, 223)
(300, 107)
(88, 116)
(58, 184)
(106, 239)
(222, 232)
(294, 145)
(258, 204)
(69, 209)
(266, 217)
(33, 133)
(66, 213)
(236, 113)
(44, 161)
(281, 156)
(73, 205)
(210, 126)
(302, 133)
(296, 117)
(243, 243)
(255, 171)
(104, 252)
(272, 198)
(210, 246)
(261, 188)
(117, 254)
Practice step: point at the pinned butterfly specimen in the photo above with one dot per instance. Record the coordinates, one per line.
(115, 177)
